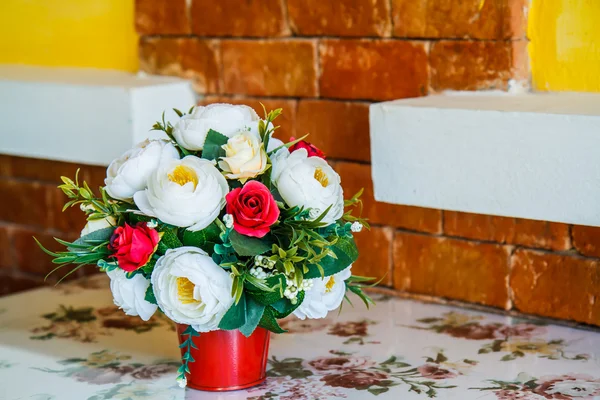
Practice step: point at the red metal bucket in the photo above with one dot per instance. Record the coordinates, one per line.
(227, 360)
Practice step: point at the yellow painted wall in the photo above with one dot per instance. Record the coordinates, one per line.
(565, 44)
(74, 33)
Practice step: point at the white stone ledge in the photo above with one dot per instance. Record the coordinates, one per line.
(82, 115)
(532, 156)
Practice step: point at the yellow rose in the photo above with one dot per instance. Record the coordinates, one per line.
(245, 157)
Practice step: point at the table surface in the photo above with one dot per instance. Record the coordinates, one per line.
(71, 342)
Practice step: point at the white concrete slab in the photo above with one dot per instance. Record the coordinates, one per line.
(82, 115)
(532, 156)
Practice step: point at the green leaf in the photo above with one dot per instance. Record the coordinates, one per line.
(235, 317)
(266, 298)
(346, 253)
(269, 322)
(284, 307)
(168, 241)
(205, 239)
(254, 313)
(377, 391)
(149, 297)
(249, 246)
(96, 237)
(213, 145)
(149, 267)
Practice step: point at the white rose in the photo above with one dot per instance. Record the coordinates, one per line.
(129, 173)
(326, 294)
(129, 294)
(187, 193)
(274, 143)
(97, 224)
(227, 119)
(308, 182)
(191, 289)
(245, 157)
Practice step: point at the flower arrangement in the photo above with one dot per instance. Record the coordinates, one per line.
(219, 226)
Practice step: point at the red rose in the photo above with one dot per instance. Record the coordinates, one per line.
(253, 209)
(133, 245)
(313, 151)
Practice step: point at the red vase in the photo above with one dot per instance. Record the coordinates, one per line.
(227, 360)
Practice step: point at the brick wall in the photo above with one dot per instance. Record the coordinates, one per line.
(324, 62)
(30, 205)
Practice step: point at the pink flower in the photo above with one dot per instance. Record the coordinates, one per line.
(355, 379)
(525, 331)
(432, 371)
(253, 208)
(313, 151)
(341, 363)
(133, 246)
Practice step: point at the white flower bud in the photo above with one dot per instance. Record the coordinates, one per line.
(356, 226)
(228, 220)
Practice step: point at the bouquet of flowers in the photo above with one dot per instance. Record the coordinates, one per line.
(219, 226)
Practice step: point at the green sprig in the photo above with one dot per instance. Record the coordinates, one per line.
(188, 345)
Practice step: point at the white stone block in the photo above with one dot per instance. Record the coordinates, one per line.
(82, 115)
(531, 156)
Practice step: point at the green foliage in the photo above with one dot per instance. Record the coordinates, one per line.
(269, 292)
(213, 145)
(284, 307)
(249, 246)
(95, 207)
(345, 253)
(169, 240)
(235, 317)
(269, 321)
(356, 285)
(204, 239)
(254, 313)
(87, 250)
(187, 358)
(149, 297)
(266, 127)
(355, 201)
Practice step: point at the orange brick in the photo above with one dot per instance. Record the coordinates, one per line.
(24, 203)
(238, 18)
(72, 220)
(340, 17)
(286, 121)
(558, 286)
(477, 19)
(586, 239)
(161, 17)
(455, 269)
(29, 257)
(476, 65)
(38, 169)
(340, 129)
(373, 69)
(270, 68)
(357, 176)
(10, 284)
(525, 232)
(6, 248)
(375, 254)
(190, 58)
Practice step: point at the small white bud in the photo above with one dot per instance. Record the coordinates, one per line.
(152, 224)
(182, 382)
(228, 220)
(356, 226)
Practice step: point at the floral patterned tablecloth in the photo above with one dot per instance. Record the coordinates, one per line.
(70, 342)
